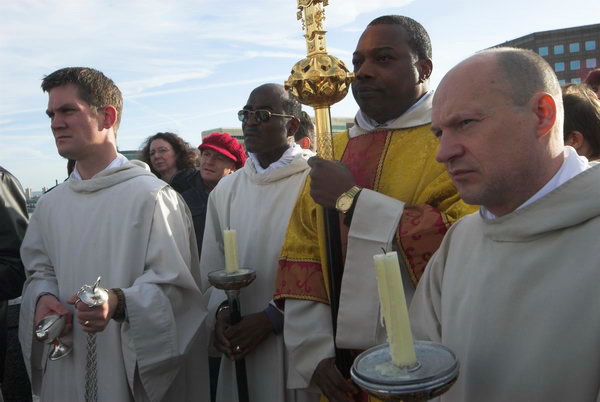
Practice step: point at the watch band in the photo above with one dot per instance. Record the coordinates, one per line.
(119, 314)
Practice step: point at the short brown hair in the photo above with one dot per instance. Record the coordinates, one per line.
(187, 157)
(95, 88)
(526, 72)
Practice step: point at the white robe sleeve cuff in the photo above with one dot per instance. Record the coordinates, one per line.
(374, 223)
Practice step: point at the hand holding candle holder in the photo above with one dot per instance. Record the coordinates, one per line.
(48, 331)
(435, 371)
(402, 370)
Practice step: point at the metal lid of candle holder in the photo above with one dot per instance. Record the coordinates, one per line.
(232, 281)
(437, 369)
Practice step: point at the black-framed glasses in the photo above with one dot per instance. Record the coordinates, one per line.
(261, 115)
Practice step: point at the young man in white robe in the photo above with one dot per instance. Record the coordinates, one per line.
(257, 202)
(114, 219)
(513, 289)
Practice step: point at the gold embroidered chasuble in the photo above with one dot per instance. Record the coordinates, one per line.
(398, 163)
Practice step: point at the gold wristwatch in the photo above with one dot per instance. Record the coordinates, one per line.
(344, 201)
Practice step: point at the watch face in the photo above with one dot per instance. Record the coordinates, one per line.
(344, 203)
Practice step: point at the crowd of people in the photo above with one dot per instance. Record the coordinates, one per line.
(484, 187)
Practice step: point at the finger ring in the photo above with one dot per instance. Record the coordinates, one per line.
(77, 301)
(85, 324)
(238, 349)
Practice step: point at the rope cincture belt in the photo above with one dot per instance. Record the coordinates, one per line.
(93, 296)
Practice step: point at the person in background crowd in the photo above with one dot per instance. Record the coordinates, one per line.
(171, 159)
(593, 80)
(305, 136)
(582, 120)
(220, 155)
(13, 224)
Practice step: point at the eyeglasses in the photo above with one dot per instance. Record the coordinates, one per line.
(260, 115)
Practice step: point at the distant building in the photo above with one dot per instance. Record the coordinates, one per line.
(130, 154)
(572, 52)
(234, 132)
(31, 205)
(28, 194)
(341, 123)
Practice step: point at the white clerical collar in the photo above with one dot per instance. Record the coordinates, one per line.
(120, 160)
(287, 158)
(416, 115)
(571, 167)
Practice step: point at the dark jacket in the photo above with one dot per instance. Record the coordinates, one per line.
(189, 184)
(13, 223)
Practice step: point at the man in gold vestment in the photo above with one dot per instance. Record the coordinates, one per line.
(391, 194)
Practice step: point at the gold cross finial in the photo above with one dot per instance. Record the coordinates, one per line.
(312, 14)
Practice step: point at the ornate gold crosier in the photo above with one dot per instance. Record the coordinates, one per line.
(319, 80)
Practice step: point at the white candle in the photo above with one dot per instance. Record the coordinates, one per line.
(230, 243)
(394, 309)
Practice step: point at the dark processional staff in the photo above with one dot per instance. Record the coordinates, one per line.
(321, 80)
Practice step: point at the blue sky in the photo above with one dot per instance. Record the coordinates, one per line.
(188, 66)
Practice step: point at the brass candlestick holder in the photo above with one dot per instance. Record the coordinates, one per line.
(435, 372)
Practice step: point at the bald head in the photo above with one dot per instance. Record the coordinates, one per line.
(290, 104)
(498, 115)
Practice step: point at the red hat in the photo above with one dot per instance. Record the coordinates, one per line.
(226, 145)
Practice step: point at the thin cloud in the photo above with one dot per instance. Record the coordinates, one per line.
(17, 127)
(277, 55)
(15, 112)
(208, 86)
(162, 80)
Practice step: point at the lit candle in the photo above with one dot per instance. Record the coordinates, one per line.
(394, 309)
(230, 243)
